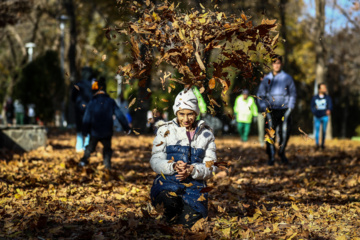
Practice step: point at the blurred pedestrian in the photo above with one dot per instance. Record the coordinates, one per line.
(245, 110)
(277, 92)
(98, 122)
(321, 107)
(261, 121)
(81, 95)
(9, 111)
(31, 113)
(183, 155)
(19, 112)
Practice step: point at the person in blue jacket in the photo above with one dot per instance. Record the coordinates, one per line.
(98, 122)
(277, 93)
(321, 106)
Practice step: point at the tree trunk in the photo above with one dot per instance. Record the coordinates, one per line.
(282, 12)
(320, 52)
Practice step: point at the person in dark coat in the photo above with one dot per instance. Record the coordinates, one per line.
(98, 122)
(9, 109)
(81, 96)
(277, 92)
(321, 106)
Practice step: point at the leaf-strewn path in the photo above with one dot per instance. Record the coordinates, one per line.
(44, 196)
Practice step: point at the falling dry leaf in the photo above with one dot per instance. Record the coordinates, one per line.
(201, 198)
(212, 83)
(132, 102)
(161, 143)
(103, 57)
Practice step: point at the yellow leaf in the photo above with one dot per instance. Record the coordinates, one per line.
(269, 140)
(149, 90)
(172, 85)
(282, 119)
(161, 183)
(173, 194)
(62, 165)
(155, 16)
(202, 6)
(103, 58)
(275, 227)
(267, 230)
(163, 175)
(164, 100)
(132, 102)
(201, 198)
(343, 237)
(187, 184)
(294, 207)
(202, 20)
(136, 133)
(219, 16)
(292, 236)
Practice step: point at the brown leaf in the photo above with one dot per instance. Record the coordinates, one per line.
(160, 144)
(206, 189)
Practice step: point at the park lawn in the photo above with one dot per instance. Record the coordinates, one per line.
(43, 195)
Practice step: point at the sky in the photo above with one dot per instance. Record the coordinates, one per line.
(335, 20)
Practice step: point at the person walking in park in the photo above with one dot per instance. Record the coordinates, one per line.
(277, 92)
(9, 111)
(19, 112)
(321, 107)
(81, 95)
(183, 155)
(98, 122)
(245, 110)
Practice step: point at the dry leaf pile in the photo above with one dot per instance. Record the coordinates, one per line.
(43, 195)
(184, 40)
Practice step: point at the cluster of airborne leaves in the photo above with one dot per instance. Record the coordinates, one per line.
(44, 195)
(185, 40)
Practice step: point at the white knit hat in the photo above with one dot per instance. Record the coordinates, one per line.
(186, 99)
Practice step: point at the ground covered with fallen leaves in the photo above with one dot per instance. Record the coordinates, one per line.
(43, 195)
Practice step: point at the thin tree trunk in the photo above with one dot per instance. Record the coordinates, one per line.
(320, 52)
(282, 12)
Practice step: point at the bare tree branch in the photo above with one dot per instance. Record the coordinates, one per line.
(356, 25)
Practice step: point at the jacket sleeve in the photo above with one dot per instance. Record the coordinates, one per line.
(86, 121)
(201, 172)
(261, 93)
(121, 117)
(158, 160)
(329, 103)
(313, 105)
(235, 105)
(292, 92)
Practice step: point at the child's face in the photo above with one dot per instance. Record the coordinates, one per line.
(186, 117)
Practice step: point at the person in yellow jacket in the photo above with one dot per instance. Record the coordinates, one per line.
(245, 110)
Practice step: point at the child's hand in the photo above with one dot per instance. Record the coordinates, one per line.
(185, 173)
(180, 166)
